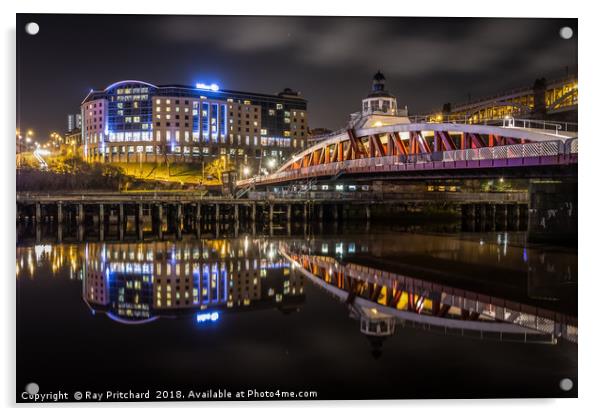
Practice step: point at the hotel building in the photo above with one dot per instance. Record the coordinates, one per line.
(136, 122)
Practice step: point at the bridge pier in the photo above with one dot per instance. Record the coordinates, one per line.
(198, 213)
(59, 213)
(101, 222)
(159, 221)
(121, 217)
(552, 215)
(138, 217)
(504, 215)
(179, 221)
(80, 214)
(38, 213)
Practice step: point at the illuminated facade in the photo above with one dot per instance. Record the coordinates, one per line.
(557, 99)
(135, 122)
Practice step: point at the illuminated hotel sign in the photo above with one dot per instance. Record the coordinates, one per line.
(207, 316)
(210, 87)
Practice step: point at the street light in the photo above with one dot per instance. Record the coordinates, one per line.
(271, 163)
(246, 171)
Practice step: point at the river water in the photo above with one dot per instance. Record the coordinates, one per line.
(346, 313)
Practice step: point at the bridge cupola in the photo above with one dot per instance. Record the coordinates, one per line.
(379, 101)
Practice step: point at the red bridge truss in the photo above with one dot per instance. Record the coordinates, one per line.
(424, 147)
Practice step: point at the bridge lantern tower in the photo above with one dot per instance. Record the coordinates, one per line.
(379, 101)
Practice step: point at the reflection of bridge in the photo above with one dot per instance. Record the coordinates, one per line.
(430, 305)
(420, 149)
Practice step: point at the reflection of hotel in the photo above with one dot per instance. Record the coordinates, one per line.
(136, 283)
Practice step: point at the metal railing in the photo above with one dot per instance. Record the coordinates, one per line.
(538, 149)
(509, 122)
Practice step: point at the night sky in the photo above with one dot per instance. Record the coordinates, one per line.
(427, 61)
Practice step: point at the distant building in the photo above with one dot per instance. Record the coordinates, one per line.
(74, 138)
(134, 121)
(317, 133)
(556, 99)
(74, 121)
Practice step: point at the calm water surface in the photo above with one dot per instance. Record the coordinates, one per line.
(349, 315)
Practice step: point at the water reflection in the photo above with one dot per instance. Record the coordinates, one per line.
(381, 299)
(487, 287)
(138, 283)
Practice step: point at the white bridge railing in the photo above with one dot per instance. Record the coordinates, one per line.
(514, 151)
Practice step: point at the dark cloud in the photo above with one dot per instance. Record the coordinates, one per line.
(428, 61)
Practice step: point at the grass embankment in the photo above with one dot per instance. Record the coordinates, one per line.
(67, 173)
(182, 173)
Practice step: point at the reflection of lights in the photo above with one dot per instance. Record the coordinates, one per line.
(42, 250)
(207, 316)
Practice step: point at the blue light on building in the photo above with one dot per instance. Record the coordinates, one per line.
(207, 317)
(208, 87)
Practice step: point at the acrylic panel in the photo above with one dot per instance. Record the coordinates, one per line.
(295, 208)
